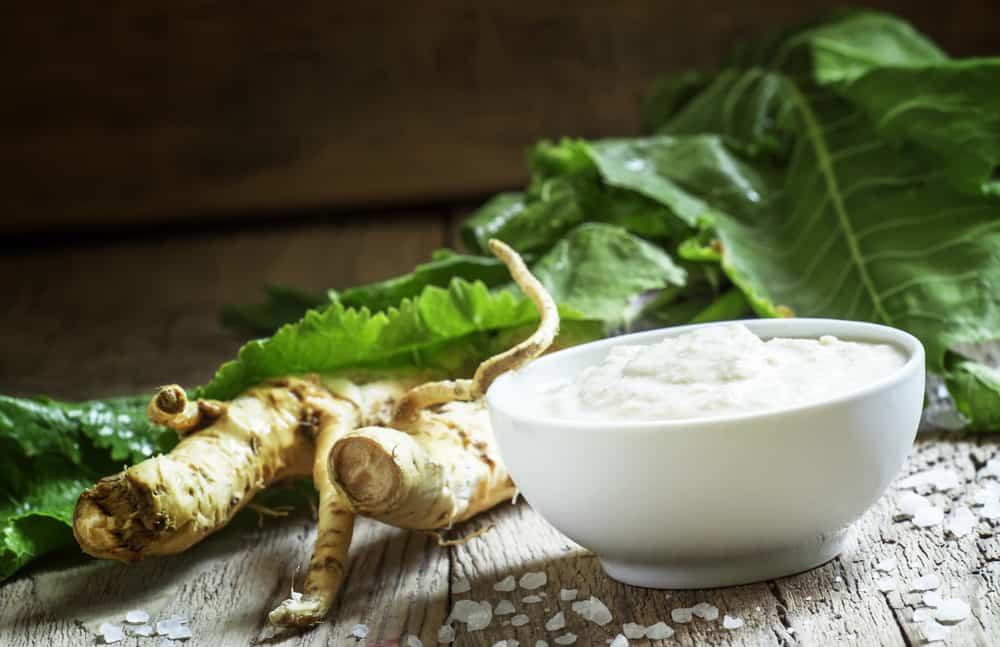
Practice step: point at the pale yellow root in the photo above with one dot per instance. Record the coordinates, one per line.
(170, 502)
(333, 531)
(437, 462)
(171, 408)
(432, 393)
(445, 472)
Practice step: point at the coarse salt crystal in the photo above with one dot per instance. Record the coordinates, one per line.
(359, 631)
(566, 595)
(931, 599)
(659, 631)
(729, 622)
(886, 584)
(991, 510)
(928, 517)
(480, 619)
(461, 585)
(681, 615)
(619, 641)
(938, 479)
(908, 504)
(541, 643)
(886, 565)
(593, 610)
(506, 584)
(961, 522)
(988, 491)
(922, 615)
(926, 583)
(519, 620)
(556, 622)
(633, 631)
(446, 634)
(933, 632)
(531, 599)
(137, 617)
(532, 581)
(991, 469)
(413, 641)
(506, 643)
(181, 633)
(142, 630)
(705, 611)
(565, 639)
(952, 610)
(504, 608)
(110, 633)
(463, 609)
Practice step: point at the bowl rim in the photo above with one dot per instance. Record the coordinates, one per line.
(879, 333)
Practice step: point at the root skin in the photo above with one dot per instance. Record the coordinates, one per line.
(445, 471)
(334, 527)
(170, 502)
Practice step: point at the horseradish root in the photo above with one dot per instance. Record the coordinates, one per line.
(334, 417)
(432, 393)
(437, 463)
(170, 502)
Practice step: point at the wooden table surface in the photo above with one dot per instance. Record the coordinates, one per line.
(90, 318)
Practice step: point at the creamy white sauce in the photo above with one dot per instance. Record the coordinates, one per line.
(717, 371)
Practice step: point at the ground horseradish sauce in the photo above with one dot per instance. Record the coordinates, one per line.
(717, 371)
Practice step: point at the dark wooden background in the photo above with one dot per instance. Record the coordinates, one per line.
(136, 111)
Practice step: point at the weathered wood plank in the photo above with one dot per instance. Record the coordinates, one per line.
(137, 111)
(105, 319)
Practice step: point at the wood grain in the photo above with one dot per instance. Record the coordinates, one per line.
(123, 317)
(140, 111)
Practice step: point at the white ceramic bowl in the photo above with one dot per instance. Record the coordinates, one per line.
(715, 502)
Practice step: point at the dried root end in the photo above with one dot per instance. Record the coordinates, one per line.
(171, 408)
(298, 612)
(366, 473)
(108, 523)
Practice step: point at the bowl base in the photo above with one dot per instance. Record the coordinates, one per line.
(727, 571)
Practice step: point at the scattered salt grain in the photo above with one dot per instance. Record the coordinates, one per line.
(990, 511)
(532, 581)
(922, 615)
(729, 622)
(886, 584)
(681, 615)
(706, 611)
(173, 628)
(567, 595)
(593, 610)
(446, 634)
(110, 633)
(507, 643)
(480, 619)
(360, 631)
(461, 585)
(926, 583)
(181, 633)
(541, 643)
(951, 611)
(137, 617)
(991, 469)
(504, 608)
(413, 641)
(519, 620)
(886, 565)
(142, 630)
(556, 622)
(933, 632)
(619, 641)
(476, 615)
(531, 599)
(988, 491)
(928, 517)
(659, 631)
(634, 631)
(961, 522)
(506, 584)
(937, 479)
(908, 504)
(565, 639)
(931, 599)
